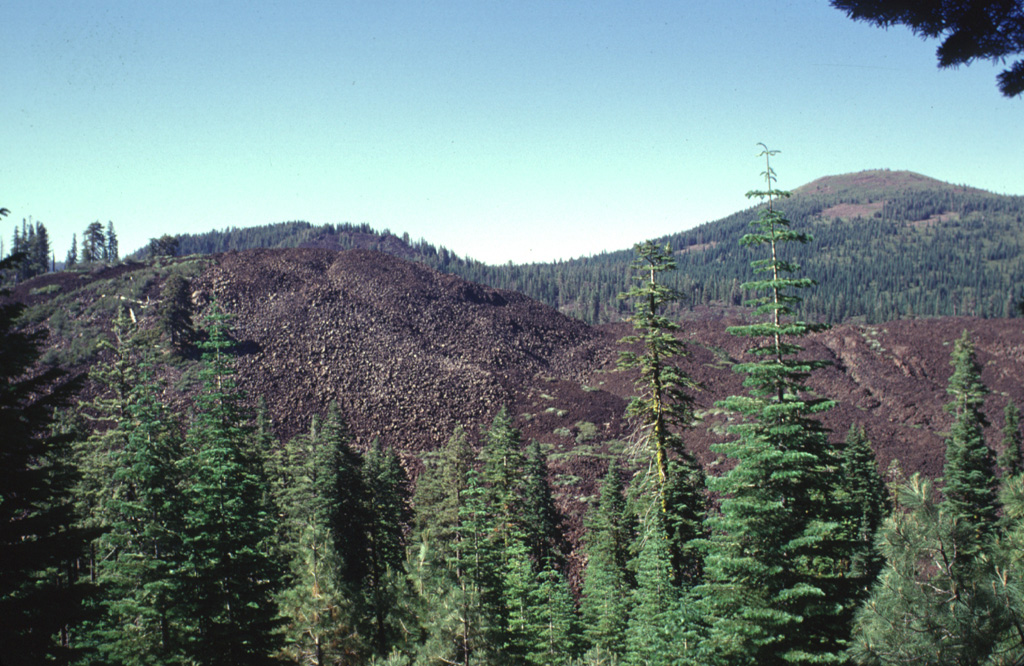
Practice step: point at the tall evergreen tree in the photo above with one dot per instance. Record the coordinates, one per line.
(72, 258)
(175, 313)
(228, 524)
(863, 493)
(93, 243)
(662, 403)
(969, 482)
(926, 607)
(1012, 457)
(941, 597)
(41, 595)
(771, 555)
(652, 627)
(437, 552)
(317, 604)
(141, 552)
(110, 250)
(386, 587)
(606, 579)
(540, 519)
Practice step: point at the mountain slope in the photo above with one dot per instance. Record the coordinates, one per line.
(887, 245)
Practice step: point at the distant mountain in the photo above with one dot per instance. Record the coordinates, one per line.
(887, 245)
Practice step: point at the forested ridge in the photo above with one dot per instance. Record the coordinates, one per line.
(138, 529)
(887, 245)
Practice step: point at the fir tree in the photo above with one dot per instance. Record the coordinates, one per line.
(652, 622)
(110, 250)
(41, 595)
(316, 601)
(437, 551)
(228, 525)
(969, 482)
(142, 549)
(175, 313)
(772, 554)
(502, 474)
(862, 491)
(386, 586)
(1012, 457)
(606, 580)
(72, 257)
(662, 403)
(540, 519)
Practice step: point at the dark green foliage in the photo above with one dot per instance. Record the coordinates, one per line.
(94, 243)
(228, 523)
(942, 597)
(662, 406)
(502, 475)
(926, 608)
(72, 257)
(1012, 457)
(541, 522)
(772, 555)
(686, 510)
(110, 249)
(863, 495)
(41, 594)
(388, 515)
(652, 628)
(175, 313)
(30, 251)
(607, 582)
(969, 482)
(972, 30)
(164, 246)
(140, 508)
(310, 498)
(437, 553)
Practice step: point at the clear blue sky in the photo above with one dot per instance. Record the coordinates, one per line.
(512, 130)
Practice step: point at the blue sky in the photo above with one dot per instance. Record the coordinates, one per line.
(522, 131)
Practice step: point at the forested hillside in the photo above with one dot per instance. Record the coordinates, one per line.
(318, 457)
(887, 245)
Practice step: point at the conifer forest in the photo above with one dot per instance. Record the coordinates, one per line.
(139, 531)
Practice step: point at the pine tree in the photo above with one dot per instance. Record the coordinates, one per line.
(228, 525)
(1012, 457)
(926, 608)
(942, 597)
(772, 551)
